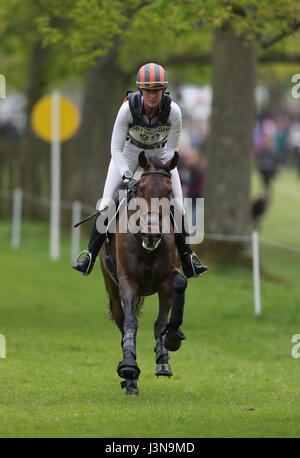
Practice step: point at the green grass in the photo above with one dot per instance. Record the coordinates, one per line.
(233, 377)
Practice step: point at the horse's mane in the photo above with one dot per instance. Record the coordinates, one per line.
(157, 164)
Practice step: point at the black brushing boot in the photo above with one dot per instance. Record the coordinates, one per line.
(86, 265)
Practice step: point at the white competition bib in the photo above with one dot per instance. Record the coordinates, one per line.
(151, 136)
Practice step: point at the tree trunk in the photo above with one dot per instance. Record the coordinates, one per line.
(35, 153)
(227, 190)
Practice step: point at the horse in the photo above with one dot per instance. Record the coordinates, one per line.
(146, 263)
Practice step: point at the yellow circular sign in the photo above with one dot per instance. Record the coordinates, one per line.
(41, 118)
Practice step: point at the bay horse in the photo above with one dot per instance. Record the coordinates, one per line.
(146, 263)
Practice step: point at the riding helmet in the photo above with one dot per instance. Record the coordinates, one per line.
(152, 76)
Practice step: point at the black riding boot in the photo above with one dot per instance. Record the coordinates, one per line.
(191, 264)
(86, 265)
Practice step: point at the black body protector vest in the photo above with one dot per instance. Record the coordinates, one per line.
(146, 133)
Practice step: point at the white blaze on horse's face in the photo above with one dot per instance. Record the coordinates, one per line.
(151, 247)
(150, 230)
(151, 241)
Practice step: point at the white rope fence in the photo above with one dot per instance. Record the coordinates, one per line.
(280, 245)
(228, 238)
(247, 238)
(18, 197)
(255, 239)
(77, 207)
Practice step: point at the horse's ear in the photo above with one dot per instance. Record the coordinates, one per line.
(171, 164)
(143, 161)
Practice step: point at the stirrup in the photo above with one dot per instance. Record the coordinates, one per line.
(88, 267)
(198, 262)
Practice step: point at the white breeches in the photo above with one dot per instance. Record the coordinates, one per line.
(113, 180)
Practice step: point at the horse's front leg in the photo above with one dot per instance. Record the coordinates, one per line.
(162, 356)
(174, 335)
(128, 368)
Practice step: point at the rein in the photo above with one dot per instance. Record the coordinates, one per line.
(97, 213)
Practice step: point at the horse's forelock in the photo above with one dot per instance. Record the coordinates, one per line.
(158, 164)
(156, 184)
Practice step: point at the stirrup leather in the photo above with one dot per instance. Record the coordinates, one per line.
(90, 256)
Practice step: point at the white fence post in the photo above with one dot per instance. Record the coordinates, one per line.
(55, 178)
(16, 219)
(2, 346)
(256, 273)
(75, 235)
(2, 87)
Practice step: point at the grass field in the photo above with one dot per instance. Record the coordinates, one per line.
(233, 377)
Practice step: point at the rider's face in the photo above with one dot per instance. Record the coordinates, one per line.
(152, 98)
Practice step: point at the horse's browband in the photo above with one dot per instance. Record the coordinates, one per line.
(157, 171)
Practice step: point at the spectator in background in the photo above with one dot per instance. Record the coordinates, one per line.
(297, 154)
(294, 143)
(281, 138)
(192, 172)
(257, 138)
(267, 160)
(192, 168)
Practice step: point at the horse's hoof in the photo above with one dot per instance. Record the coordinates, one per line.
(172, 339)
(164, 370)
(128, 369)
(131, 387)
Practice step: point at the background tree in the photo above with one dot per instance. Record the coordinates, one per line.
(109, 40)
(30, 67)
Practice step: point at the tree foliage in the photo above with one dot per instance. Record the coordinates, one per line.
(90, 27)
(80, 31)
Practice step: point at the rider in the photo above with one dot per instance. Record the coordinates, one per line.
(148, 120)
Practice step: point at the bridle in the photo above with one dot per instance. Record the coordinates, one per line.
(154, 172)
